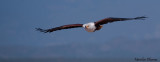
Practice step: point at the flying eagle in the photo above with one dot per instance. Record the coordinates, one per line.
(92, 26)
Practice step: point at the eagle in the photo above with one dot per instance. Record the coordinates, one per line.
(91, 26)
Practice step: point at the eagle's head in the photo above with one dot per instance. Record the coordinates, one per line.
(90, 27)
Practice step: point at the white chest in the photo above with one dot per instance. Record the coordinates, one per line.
(90, 27)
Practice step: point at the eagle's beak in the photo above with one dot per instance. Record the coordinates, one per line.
(87, 26)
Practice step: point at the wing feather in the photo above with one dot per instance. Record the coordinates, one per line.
(112, 19)
(60, 28)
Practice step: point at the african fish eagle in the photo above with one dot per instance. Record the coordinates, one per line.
(92, 26)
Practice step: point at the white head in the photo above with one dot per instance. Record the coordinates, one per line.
(90, 27)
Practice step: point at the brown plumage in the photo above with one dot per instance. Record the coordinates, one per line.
(90, 27)
(60, 28)
(113, 19)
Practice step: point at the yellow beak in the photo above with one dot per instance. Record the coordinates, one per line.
(87, 26)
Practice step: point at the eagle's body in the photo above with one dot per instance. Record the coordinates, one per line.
(89, 27)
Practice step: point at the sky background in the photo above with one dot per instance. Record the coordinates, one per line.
(136, 38)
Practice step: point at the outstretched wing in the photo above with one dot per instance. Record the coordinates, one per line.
(112, 19)
(60, 28)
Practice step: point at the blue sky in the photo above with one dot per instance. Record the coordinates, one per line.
(19, 18)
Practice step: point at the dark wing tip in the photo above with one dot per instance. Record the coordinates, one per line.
(41, 30)
(142, 17)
